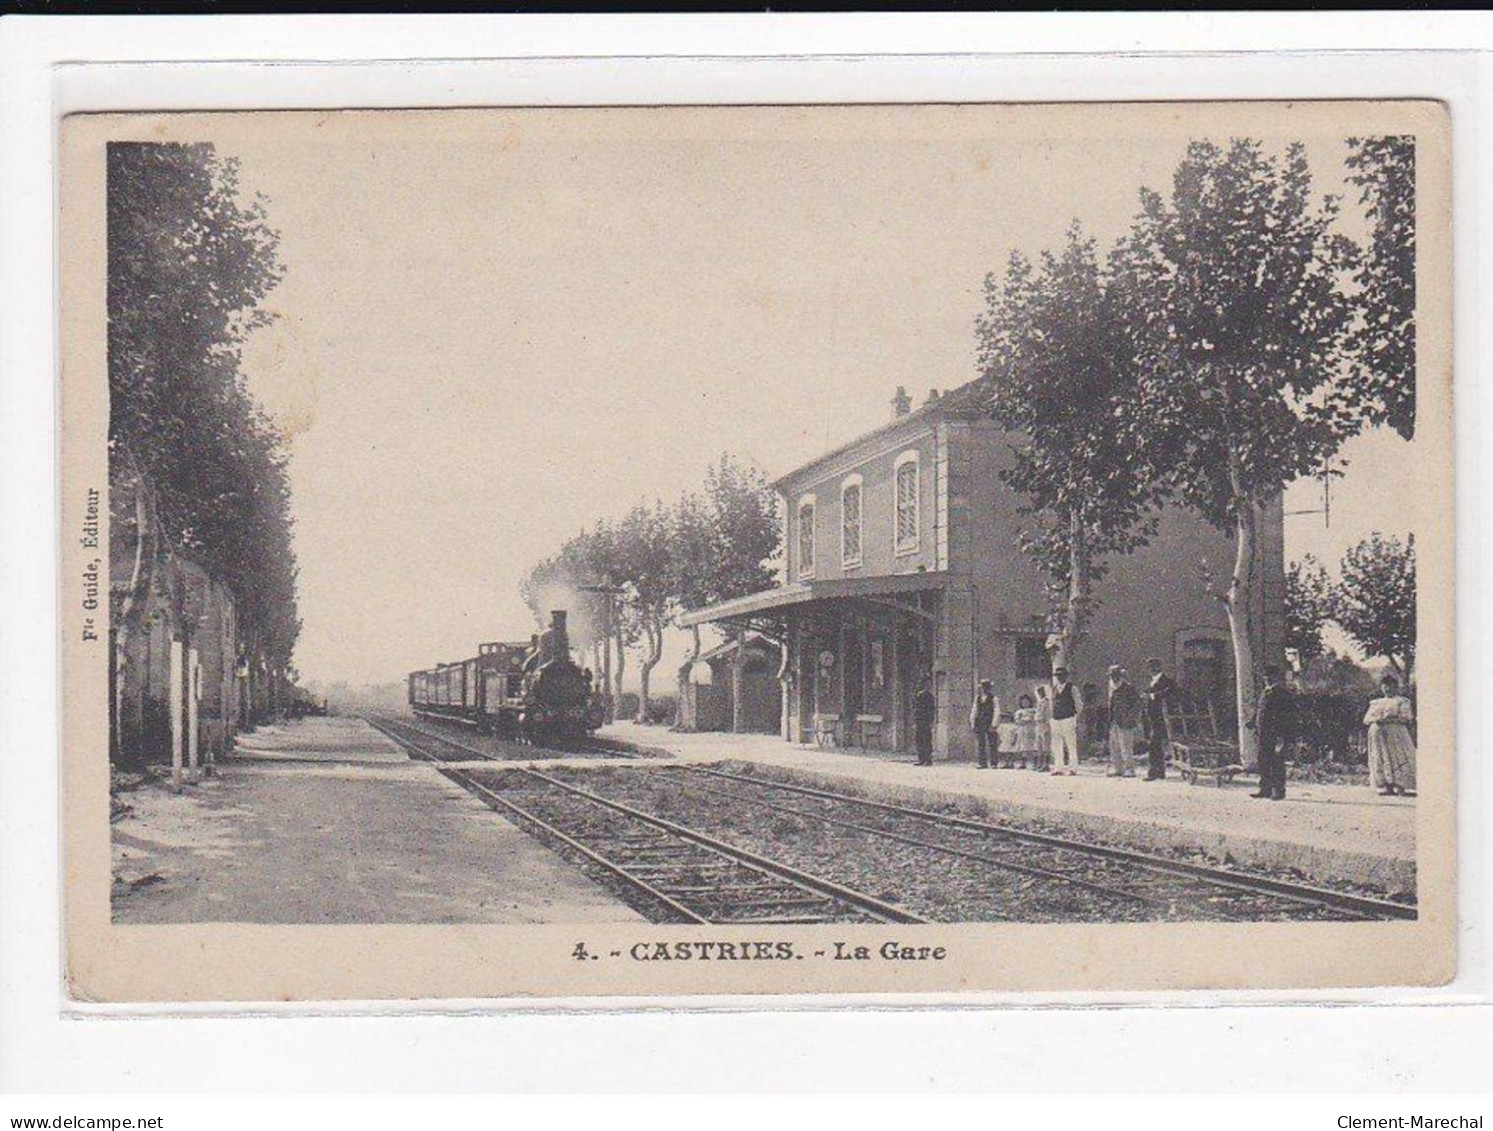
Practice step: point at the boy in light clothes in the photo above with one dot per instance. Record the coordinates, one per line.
(1124, 723)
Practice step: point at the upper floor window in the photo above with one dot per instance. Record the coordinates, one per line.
(1033, 661)
(850, 521)
(907, 502)
(806, 536)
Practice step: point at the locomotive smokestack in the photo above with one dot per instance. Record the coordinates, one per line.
(555, 644)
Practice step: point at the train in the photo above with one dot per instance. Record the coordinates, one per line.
(532, 689)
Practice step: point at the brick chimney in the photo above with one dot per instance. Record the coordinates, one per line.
(901, 402)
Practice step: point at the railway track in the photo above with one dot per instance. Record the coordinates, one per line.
(666, 870)
(986, 869)
(1140, 877)
(466, 752)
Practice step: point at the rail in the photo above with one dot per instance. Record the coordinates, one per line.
(745, 887)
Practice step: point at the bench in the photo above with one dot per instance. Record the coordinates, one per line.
(868, 729)
(827, 730)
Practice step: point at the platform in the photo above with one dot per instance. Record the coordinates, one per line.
(327, 821)
(1345, 833)
(317, 740)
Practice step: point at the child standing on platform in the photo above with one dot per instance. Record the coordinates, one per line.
(1026, 731)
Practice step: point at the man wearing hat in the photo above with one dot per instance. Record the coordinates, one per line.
(1161, 692)
(1064, 724)
(1272, 722)
(983, 714)
(924, 707)
(1124, 723)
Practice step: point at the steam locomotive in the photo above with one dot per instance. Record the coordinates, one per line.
(533, 689)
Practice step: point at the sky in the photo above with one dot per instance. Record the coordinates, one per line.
(496, 327)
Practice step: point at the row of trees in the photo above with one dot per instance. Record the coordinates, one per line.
(190, 261)
(1226, 345)
(1373, 601)
(625, 582)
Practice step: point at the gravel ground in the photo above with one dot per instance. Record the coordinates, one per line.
(1171, 895)
(1328, 773)
(926, 880)
(1059, 829)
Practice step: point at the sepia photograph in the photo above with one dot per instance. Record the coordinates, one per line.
(920, 548)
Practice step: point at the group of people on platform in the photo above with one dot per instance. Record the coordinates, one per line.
(1046, 729)
(1050, 727)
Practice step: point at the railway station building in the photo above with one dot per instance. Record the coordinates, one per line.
(902, 567)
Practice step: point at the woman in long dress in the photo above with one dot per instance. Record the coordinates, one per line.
(1391, 749)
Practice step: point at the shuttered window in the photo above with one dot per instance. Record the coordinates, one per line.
(850, 521)
(907, 503)
(806, 538)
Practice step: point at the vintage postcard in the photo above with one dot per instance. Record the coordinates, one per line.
(618, 553)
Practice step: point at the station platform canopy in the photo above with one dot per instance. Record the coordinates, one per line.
(786, 597)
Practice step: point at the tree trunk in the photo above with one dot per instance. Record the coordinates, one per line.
(687, 671)
(621, 668)
(738, 667)
(655, 637)
(1075, 606)
(609, 711)
(1242, 602)
(128, 718)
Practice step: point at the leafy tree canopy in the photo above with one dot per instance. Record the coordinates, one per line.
(1382, 380)
(1238, 323)
(1374, 600)
(1057, 372)
(190, 262)
(1308, 607)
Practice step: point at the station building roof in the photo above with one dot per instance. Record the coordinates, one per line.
(787, 596)
(963, 403)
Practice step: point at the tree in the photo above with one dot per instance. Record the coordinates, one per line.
(1382, 380)
(199, 466)
(695, 559)
(1374, 600)
(1308, 607)
(645, 544)
(743, 512)
(1239, 327)
(606, 566)
(1057, 372)
(742, 521)
(725, 538)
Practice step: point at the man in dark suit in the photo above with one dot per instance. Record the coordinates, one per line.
(1272, 723)
(1161, 689)
(924, 705)
(982, 719)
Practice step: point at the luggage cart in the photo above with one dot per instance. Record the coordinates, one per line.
(1197, 749)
